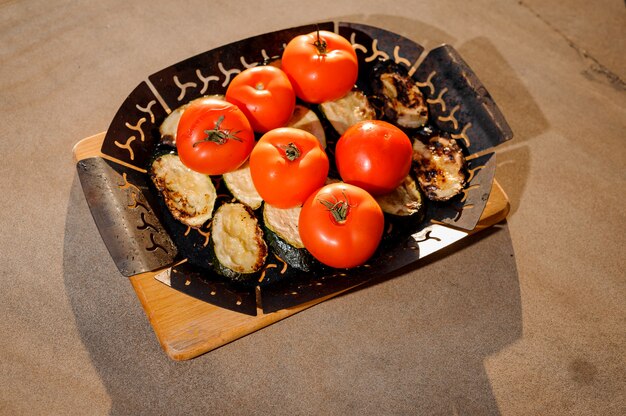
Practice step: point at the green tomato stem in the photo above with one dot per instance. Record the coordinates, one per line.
(320, 44)
(339, 208)
(292, 152)
(218, 134)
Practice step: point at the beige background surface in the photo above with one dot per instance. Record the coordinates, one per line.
(526, 318)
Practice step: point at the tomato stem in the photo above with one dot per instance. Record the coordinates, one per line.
(320, 43)
(218, 134)
(291, 151)
(339, 208)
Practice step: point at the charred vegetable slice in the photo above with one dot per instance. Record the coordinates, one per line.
(304, 118)
(237, 241)
(402, 101)
(170, 125)
(440, 168)
(189, 195)
(239, 183)
(284, 238)
(406, 200)
(348, 110)
(284, 222)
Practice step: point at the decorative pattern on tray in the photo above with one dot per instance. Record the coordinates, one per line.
(141, 234)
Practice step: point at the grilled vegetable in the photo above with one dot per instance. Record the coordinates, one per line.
(348, 110)
(170, 125)
(239, 183)
(440, 168)
(402, 101)
(189, 196)
(283, 236)
(238, 249)
(404, 201)
(305, 119)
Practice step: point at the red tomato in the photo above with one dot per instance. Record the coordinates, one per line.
(374, 155)
(213, 136)
(265, 96)
(341, 225)
(287, 165)
(322, 66)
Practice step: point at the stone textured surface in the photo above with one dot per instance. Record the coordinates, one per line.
(526, 318)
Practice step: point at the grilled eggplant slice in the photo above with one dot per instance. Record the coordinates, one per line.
(190, 196)
(348, 110)
(440, 167)
(239, 183)
(304, 118)
(404, 201)
(238, 249)
(402, 101)
(284, 238)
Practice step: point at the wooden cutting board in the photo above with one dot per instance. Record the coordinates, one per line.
(187, 327)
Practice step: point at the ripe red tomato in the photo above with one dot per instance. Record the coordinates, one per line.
(374, 155)
(287, 165)
(265, 95)
(341, 225)
(322, 66)
(213, 136)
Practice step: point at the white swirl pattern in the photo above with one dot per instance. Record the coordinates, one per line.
(227, 73)
(205, 80)
(183, 87)
(147, 109)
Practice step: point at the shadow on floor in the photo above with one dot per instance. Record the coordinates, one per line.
(413, 343)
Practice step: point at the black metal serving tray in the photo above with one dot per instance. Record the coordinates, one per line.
(142, 236)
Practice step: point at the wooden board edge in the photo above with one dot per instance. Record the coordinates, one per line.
(88, 147)
(181, 351)
(496, 210)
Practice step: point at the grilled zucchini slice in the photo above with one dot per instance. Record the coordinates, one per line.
(404, 201)
(304, 118)
(169, 127)
(239, 183)
(238, 249)
(190, 196)
(284, 238)
(348, 110)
